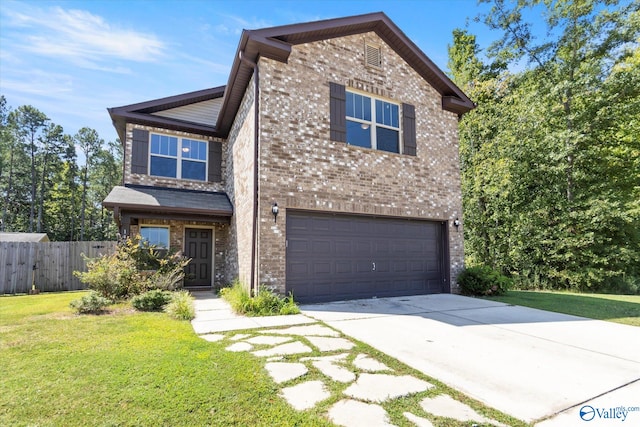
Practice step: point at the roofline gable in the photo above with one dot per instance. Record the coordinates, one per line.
(275, 43)
(142, 112)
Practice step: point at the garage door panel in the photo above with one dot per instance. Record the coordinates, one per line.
(331, 257)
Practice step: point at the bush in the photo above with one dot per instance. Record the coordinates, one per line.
(483, 281)
(181, 306)
(125, 273)
(265, 303)
(93, 302)
(152, 300)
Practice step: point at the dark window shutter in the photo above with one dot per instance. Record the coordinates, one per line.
(140, 151)
(215, 161)
(409, 129)
(337, 108)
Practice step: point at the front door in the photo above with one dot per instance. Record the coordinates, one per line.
(198, 247)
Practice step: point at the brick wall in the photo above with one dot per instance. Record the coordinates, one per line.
(301, 168)
(239, 178)
(139, 179)
(176, 241)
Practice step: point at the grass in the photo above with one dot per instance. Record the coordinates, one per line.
(129, 368)
(265, 303)
(623, 309)
(125, 368)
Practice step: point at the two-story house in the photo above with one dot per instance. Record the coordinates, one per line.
(327, 166)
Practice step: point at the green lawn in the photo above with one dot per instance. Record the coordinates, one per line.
(614, 308)
(125, 368)
(128, 368)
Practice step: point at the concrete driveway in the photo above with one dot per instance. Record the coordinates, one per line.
(528, 363)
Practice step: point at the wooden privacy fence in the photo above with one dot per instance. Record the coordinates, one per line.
(50, 265)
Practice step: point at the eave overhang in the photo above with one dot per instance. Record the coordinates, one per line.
(275, 43)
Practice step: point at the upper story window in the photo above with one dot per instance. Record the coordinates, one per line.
(175, 157)
(366, 121)
(372, 123)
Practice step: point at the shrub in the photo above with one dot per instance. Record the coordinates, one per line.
(152, 300)
(483, 281)
(92, 302)
(125, 273)
(181, 306)
(265, 303)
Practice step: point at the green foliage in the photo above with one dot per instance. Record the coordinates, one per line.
(550, 158)
(265, 303)
(91, 303)
(181, 306)
(43, 187)
(483, 281)
(153, 300)
(134, 267)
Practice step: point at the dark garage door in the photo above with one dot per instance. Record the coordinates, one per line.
(340, 257)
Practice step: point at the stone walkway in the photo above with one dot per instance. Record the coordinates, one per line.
(308, 359)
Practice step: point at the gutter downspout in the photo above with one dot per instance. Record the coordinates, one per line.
(254, 227)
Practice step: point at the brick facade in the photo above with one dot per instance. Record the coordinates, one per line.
(300, 168)
(155, 181)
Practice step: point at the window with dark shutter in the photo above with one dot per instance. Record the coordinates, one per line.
(215, 161)
(409, 129)
(337, 112)
(140, 151)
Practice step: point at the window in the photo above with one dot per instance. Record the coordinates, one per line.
(155, 236)
(372, 123)
(175, 157)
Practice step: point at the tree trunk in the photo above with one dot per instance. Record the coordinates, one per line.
(9, 191)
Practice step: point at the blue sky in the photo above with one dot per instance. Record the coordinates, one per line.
(73, 59)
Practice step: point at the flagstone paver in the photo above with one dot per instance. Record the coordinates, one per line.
(305, 395)
(366, 363)
(267, 339)
(335, 372)
(295, 347)
(305, 331)
(381, 387)
(239, 346)
(212, 337)
(351, 413)
(282, 372)
(418, 421)
(444, 405)
(330, 344)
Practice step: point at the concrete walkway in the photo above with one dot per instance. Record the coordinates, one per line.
(528, 363)
(544, 368)
(298, 350)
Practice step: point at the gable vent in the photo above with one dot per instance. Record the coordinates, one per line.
(373, 55)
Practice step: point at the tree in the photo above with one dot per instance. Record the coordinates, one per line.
(52, 143)
(90, 144)
(548, 188)
(28, 123)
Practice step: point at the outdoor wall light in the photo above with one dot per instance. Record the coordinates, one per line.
(456, 222)
(274, 211)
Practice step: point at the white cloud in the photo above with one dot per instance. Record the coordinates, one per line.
(81, 37)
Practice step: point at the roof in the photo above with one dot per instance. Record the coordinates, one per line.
(141, 113)
(24, 237)
(168, 201)
(276, 43)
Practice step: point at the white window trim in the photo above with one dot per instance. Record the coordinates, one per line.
(179, 158)
(373, 124)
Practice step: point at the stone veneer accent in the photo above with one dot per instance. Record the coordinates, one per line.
(301, 168)
(154, 181)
